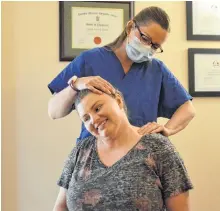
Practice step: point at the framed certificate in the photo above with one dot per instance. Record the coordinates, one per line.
(204, 72)
(86, 25)
(203, 20)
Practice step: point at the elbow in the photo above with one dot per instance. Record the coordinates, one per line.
(55, 112)
(57, 108)
(60, 207)
(193, 112)
(190, 109)
(51, 112)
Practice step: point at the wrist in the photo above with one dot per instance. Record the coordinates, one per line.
(168, 131)
(72, 82)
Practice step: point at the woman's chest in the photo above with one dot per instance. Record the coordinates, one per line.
(132, 184)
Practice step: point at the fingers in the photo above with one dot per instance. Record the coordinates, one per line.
(107, 84)
(158, 130)
(150, 128)
(99, 84)
(94, 90)
(144, 127)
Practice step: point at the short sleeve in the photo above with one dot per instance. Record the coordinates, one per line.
(67, 172)
(76, 67)
(172, 172)
(172, 94)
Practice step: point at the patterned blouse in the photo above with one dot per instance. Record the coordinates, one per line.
(142, 180)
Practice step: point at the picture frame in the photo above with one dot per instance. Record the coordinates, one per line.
(88, 24)
(204, 72)
(203, 18)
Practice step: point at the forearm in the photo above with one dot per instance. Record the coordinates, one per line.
(59, 208)
(181, 118)
(178, 203)
(60, 204)
(61, 103)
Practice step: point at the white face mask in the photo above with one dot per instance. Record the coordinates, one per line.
(137, 52)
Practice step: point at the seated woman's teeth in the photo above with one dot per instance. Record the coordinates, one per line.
(103, 123)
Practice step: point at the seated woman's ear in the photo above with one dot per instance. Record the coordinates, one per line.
(119, 100)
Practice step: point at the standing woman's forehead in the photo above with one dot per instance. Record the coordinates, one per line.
(156, 32)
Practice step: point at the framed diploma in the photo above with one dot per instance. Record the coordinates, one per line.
(203, 20)
(89, 24)
(204, 72)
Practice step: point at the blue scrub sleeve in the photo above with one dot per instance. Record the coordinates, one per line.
(172, 94)
(76, 67)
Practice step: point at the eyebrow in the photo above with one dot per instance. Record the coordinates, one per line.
(148, 36)
(95, 104)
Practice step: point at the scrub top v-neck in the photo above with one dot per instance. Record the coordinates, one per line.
(150, 90)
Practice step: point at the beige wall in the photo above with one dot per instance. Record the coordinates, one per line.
(34, 147)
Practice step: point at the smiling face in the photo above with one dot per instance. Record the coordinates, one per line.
(102, 115)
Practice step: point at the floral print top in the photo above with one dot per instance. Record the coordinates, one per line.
(142, 180)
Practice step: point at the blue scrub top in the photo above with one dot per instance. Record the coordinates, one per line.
(150, 90)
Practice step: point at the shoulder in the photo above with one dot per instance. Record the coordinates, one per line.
(85, 143)
(86, 54)
(80, 147)
(156, 62)
(94, 52)
(94, 56)
(157, 143)
(156, 66)
(160, 65)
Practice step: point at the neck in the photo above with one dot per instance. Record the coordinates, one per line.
(122, 55)
(126, 136)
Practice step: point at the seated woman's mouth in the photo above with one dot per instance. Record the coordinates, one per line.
(102, 125)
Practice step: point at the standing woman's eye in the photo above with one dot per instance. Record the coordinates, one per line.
(155, 46)
(146, 40)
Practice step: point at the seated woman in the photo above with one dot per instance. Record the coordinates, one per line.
(118, 170)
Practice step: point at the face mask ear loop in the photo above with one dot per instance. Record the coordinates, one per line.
(127, 39)
(133, 28)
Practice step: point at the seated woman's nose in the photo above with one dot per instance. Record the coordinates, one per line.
(94, 119)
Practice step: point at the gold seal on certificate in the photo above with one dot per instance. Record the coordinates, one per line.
(97, 40)
(94, 27)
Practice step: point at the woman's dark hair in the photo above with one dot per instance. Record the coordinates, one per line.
(144, 17)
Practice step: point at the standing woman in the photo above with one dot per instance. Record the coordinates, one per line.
(149, 88)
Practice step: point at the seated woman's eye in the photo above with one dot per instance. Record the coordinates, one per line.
(97, 109)
(85, 119)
